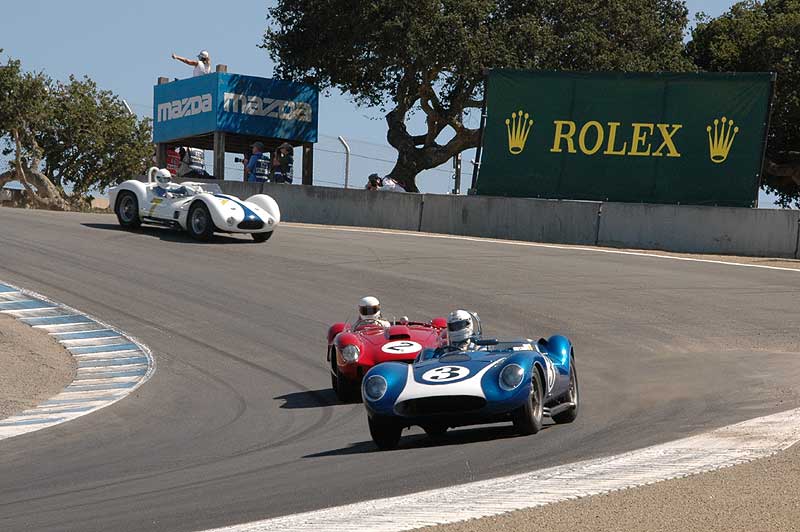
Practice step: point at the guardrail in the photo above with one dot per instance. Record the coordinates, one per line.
(679, 228)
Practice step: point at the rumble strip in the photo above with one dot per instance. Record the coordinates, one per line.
(111, 364)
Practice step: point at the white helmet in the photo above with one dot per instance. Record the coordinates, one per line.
(163, 177)
(459, 327)
(203, 54)
(369, 308)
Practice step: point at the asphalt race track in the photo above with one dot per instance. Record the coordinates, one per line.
(239, 423)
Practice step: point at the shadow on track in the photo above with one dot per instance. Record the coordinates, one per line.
(309, 399)
(421, 441)
(170, 235)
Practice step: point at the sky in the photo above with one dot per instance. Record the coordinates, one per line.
(126, 46)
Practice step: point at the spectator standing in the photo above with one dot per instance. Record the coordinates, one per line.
(202, 65)
(257, 169)
(283, 163)
(193, 163)
(376, 182)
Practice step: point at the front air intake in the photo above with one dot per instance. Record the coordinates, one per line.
(449, 404)
(251, 225)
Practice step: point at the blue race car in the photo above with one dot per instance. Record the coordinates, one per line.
(520, 381)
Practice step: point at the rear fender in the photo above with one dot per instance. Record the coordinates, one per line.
(558, 350)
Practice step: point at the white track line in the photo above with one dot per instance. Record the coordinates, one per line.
(728, 446)
(85, 394)
(541, 245)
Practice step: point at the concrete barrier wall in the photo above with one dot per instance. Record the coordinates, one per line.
(337, 206)
(723, 230)
(534, 220)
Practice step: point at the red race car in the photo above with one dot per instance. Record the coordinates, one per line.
(354, 349)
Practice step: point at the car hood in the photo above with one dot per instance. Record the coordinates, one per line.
(384, 348)
(454, 367)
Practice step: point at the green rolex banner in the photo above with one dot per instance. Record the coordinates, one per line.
(655, 138)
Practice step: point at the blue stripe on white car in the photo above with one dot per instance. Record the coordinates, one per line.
(249, 215)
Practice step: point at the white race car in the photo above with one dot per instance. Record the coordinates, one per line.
(199, 208)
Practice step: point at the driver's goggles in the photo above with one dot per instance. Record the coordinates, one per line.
(457, 325)
(369, 311)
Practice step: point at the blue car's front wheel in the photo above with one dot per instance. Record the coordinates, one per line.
(528, 418)
(385, 432)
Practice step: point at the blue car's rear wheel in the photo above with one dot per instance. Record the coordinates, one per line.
(385, 432)
(528, 418)
(572, 396)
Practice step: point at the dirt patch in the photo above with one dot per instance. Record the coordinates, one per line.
(763, 495)
(33, 366)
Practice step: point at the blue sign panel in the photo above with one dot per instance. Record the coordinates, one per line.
(184, 108)
(238, 104)
(267, 108)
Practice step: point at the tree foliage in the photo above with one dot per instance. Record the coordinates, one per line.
(68, 138)
(430, 55)
(762, 37)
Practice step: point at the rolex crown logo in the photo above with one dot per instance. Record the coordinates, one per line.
(720, 139)
(518, 127)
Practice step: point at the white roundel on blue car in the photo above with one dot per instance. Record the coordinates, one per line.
(401, 347)
(445, 374)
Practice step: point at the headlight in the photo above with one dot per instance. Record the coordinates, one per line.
(374, 387)
(350, 353)
(511, 376)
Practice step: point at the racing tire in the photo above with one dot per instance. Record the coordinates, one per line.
(573, 396)
(261, 237)
(199, 223)
(528, 418)
(346, 390)
(385, 432)
(127, 210)
(332, 362)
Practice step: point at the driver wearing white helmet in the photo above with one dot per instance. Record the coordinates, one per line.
(460, 331)
(369, 313)
(163, 179)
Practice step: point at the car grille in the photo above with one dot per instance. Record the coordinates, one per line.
(450, 404)
(251, 224)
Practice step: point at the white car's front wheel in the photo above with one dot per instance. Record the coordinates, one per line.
(127, 210)
(261, 237)
(199, 223)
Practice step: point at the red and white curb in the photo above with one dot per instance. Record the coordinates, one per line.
(111, 364)
(728, 446)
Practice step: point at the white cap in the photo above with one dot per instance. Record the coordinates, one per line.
(369, 307)
(203, 54)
